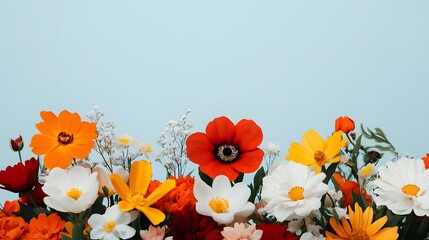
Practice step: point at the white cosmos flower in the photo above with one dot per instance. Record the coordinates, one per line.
(292, 191)
(113, 224)
(367, 171)
(73, 191)
(403, 187)
(223, 202)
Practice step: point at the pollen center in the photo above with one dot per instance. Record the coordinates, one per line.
(65, 138)
(124, 141)
(227, 153)
(109, 226)
(367, 170)
(74, 193)
(219, 205)
(411, 189)
(358, 235)
(137, 199)
(320, 158)
(296, 193)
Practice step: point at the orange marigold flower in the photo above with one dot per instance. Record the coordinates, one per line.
(45, 227)
(426, 160)
(12, 228)
(347, 187)
(63, 138)
(9, 209)
(344, 124)
(178, 198)
(226, 149)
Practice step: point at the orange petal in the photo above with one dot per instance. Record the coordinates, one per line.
(217, 168)
(42, 144)
(79, 150)
(221, 131)
(140, 175)
(248, 135)
(51, 121)
(248, 162)
(200, 149)
(59, 157)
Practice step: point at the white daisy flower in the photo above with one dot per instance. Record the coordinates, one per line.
(367, 171)
(292, 191)
(403, 187)
(73, 191)
(113, 224)
(223, 202)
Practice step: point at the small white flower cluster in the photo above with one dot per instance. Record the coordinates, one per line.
(173, 143)
(272, 151)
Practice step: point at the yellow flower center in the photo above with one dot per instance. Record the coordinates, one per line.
(320, 158)
(367, 170)
(411, 189)
(124, 140)
(137, 199)
(219, 205)
(358, 235)
(109, 226)
(296, 193)
(65, 138)
(74, 193)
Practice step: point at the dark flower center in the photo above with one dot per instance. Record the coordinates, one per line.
(65, 138)
(227, 153)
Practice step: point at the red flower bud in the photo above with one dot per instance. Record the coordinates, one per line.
(344, 124)
(17, 144)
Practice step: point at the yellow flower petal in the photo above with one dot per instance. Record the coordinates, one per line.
(154, 215)
(140, 175)
(163, 189)
(120, 186)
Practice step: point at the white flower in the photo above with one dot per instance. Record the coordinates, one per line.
(272, 149)
(124, 141)
(241, 231)
(113, 224)
(403, 187)
(73, 191)
(293, 191)
(344, 158)
(311, 236)
(223, 202)
(367, 171)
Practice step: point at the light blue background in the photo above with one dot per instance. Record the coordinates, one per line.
(288, 65)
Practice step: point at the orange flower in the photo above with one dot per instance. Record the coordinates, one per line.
(426, 160)
(182, 195)
(347, 187)
(226, 149)
(68, 230)
(344, 124)
(45, 227)
(9, 209)
(63, 138)
(12, 228)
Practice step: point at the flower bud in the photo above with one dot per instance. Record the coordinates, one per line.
(344, 124)
(17, 144)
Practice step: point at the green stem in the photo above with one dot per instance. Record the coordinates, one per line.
(20, 158)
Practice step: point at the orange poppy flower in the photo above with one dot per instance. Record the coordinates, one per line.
(12, 228)
(226, 149)
(344, 124)
(347, 187)
(45, 227)
(426, 160)
(63, 138)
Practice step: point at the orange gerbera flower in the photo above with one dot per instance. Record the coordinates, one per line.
(361, 226)
(347, 187)
(63, 138)
(182, 195)
(9, 209)
(12, 228)
(344, 124)
(426, 160)
(45, 227)
(226, 149)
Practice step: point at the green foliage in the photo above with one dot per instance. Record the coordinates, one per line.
(255, 187)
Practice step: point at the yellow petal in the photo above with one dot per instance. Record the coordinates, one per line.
(125, 206)
(377, 225)
(140, 175)
(154, 215)
(301, 154)
(313, 140)
(160, 191)
(120, 186)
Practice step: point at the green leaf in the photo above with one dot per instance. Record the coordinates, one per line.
(423, 228)
(77, 232)
(239, 178)
(26, 212)
(208, 180)
(257, 184)
(329, 172)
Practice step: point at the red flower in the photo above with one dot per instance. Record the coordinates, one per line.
(20, 177)
(347, 187)
(426, 160)
(226, 149)
(344, 124)
(276, 232)
(190, 225)
(37, 194)
(17, 144)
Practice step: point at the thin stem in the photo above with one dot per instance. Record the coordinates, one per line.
(20, 158)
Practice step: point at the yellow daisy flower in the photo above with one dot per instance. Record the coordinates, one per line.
(133, 196)
(316, 152)
(361, 227)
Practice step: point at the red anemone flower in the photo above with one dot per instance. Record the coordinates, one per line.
(276, 232)
(226, 149)
(20, 177)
